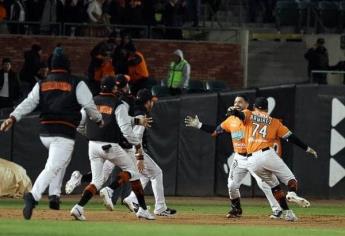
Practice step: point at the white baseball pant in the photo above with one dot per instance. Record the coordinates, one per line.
(270, 167)
(115, 155)
(152, 172)
(55, 185)
(60, 153)
(238, 171)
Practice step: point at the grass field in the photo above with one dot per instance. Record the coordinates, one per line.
(196, 216)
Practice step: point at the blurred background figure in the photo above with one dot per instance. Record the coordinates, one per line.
(137, 69)
(179, 73)
(317, 58)
(32, 62)
(17, 13)
(9, 85)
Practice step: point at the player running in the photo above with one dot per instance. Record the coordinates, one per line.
(238, 169)
(261, 131)
(103, 145)
(150, 171)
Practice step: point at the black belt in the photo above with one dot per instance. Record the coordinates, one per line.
(242, 154)
(264, 149)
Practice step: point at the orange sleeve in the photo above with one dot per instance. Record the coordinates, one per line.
(225, 125)
(282, 129)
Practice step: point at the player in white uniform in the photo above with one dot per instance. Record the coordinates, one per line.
(239, 168)
(60, 97)
(104, 145)
(152, 172)
(122, 92)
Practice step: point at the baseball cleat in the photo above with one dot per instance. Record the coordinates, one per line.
(234, 213)
(133, 207)
(54, 202)
(166, 212)
(106, 194)
(276, 215)
(145, 214)
(78, 212)
(73, 182)
(29, 205)
(292, 197)
(290, 216)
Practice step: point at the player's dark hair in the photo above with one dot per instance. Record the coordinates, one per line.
(244, 97)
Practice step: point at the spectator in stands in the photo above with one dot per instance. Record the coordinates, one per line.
(17, 13)
(73, 13)
(117, 10)
(105, 69)
(9, 85)
(34, 13)
(179, 74)
(172, 18)
(194, 11)
(120, 53)
(101, 48)
(3, 17)
(317, 58)
(97, 16)
(52, 17)
(134, 12)
(137, 69)
(95, 11)
(32, 62)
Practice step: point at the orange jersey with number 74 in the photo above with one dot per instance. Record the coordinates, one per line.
(262, 130)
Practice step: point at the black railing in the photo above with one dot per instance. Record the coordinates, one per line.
(137, 31)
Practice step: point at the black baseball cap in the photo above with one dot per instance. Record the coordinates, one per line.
(107, 84)
(121, 80)
(145, 95)
(261, 103)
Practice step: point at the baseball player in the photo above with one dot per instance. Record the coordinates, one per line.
(152, 172)
(104, 145)
(122, 92)
(238, 169)
(261, 131)
(60, 97)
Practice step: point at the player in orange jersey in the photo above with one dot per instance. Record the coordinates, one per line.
(261, 132)
(238, 168)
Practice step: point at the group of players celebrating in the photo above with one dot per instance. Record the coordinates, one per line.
(254, 134)
(115, 122)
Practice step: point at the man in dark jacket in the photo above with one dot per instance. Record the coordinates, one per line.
(60, 97)
(120, 54)
(9, 84)
(31, 65)
(317, 58)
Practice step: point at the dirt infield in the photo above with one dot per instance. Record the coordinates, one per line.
(182, 218)
(194, 218)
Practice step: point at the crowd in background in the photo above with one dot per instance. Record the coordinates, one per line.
(49, 15)
(108, 58)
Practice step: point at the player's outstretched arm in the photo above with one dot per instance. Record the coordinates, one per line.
(194, 122)
(292, 138)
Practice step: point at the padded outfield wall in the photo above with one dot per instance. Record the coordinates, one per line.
(195, 164)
